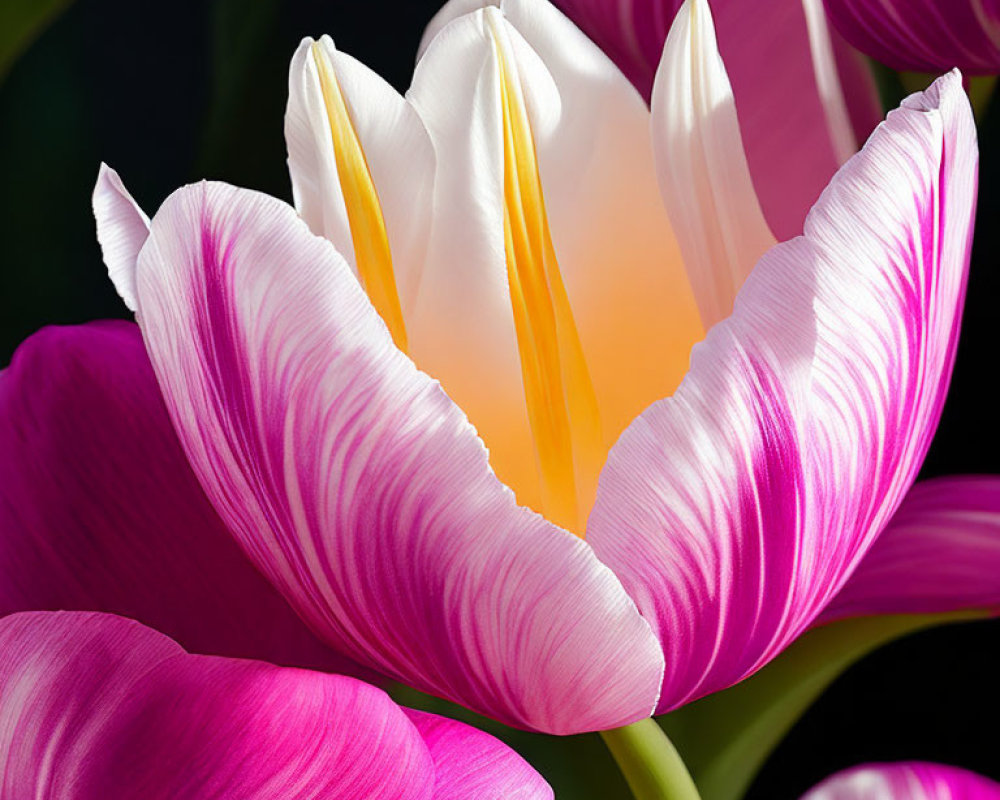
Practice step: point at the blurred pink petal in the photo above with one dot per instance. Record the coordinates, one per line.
(923, 35)
(734, 510)
(98, 706)
(905, 781)
(804, 103)
(361, 490)
(99, 510)
(940, 552)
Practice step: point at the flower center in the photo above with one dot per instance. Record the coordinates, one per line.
(562, 407)
(364, 212)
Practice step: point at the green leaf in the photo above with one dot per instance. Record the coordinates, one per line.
(21, 21)
(725, 738)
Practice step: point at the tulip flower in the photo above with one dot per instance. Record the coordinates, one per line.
(97, 706)
(923, 35)
(905, 781)
(773, 51)
(495, 267)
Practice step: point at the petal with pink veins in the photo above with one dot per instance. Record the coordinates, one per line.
(939, 553)
(923, 35)
(97, 706)
(100, 511)
(736, 509)
(914, 780)
(361, 490)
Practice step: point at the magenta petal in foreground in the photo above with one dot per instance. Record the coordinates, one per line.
(361, 490)
(735, 510)
(98, 706)
(471, 764)
(99, 509)
(924, 35)
(940, 553)
(905, 781)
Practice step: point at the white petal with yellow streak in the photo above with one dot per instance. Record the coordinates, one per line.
(630, 299)
(395, 146)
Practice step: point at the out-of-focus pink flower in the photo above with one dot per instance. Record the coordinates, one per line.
(806, 100)
(99, 510)
(500, 230)
(95, 706)
(905, 781)
(925, 35)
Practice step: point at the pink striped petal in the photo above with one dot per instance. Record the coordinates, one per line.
(361, 490)
(923, 35)
(734, 510)
(940, 553)
(99, 510)
(469, 763)
(905, 781)
(97, 706)
(803, 104)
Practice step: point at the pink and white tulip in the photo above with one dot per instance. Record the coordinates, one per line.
(97, 706)
(924, 35)
(507, 222)
(905, 781)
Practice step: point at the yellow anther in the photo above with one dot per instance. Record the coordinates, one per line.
(364, 212)
(562, 408)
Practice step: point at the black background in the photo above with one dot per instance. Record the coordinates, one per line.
(172, 92)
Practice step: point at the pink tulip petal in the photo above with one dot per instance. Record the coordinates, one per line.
(631, 32)
(857, 83)
(940, 552)
(122, 228)
(801, 103)
(790, 100)
(905, 781)
(97, 706)
(361, 490)
(923, 35)
(469, 763)
(99, 510)
(734, 510)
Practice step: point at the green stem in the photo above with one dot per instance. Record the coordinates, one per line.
(650, 763)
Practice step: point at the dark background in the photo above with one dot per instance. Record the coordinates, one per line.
(168, 93)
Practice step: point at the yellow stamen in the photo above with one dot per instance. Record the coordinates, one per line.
(562, 408)
(364, 212)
